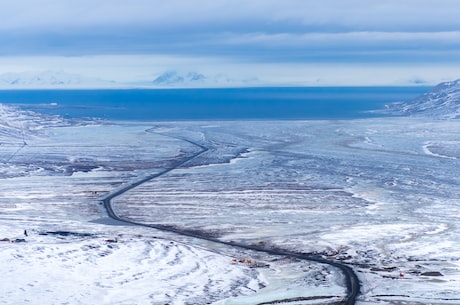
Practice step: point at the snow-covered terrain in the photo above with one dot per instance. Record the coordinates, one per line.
(380, 195)
(443, 101)
(51, 187)
(168, 79)
(50, 80)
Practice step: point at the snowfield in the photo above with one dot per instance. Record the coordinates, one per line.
(380, 195)
(137, 269)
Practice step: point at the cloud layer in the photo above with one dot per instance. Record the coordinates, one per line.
(396, 33)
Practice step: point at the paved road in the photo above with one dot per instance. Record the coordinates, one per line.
(351, 279)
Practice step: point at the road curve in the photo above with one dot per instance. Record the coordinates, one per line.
(351, 279)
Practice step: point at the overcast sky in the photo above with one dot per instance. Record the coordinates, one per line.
(291, 42)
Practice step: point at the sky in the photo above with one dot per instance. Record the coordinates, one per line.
(262, 42)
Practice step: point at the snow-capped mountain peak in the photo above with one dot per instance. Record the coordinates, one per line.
(174, 78)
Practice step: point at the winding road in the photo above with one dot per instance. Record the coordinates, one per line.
(351, 279)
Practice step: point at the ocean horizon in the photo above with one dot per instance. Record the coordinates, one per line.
(270, 103)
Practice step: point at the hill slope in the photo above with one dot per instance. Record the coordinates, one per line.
(443, 101)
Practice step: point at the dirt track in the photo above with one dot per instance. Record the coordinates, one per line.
(351, 279)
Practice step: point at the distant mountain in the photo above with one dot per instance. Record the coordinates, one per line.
(443, 101)
(49, 79)
(195, 79)
(174, 78)
(168, 79)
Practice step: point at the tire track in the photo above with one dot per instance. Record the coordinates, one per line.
(351, 279)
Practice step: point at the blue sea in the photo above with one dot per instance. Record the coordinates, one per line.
(213, 104)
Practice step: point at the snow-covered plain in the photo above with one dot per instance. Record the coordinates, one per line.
(380, 195)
